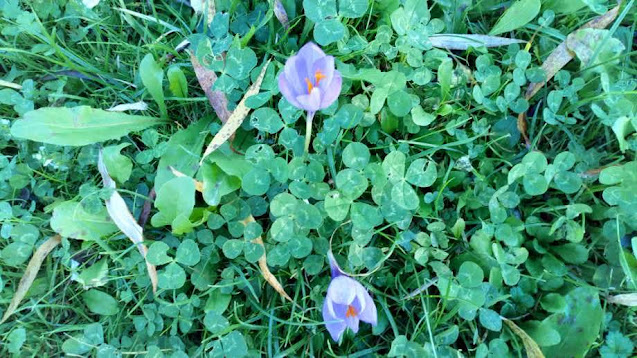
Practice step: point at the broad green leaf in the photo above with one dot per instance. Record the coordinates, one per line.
(240, 61)
(182, 152)
(337, 205)
(267, 120)
(405, 196)
(352, 8)
(215, 322)
(318, 10)
(157, 253)
(328, 31)
(578, 325)
(419, 176)
(175, 202)
(172, 277)
(490, 320)
(119, 166)
(77, 126)
(356, 155)
(95, 275)
(399, 103)
(516, 16)
(351, 183)
(465, 41)
(217, 183)
(153, 76)
(70, 220)
(365, 216)
(394, 166)
(177, 82)
(256, 181)
(470, 275)
(100, 302)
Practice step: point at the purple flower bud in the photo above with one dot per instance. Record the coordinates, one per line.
(346, 304)
(309, 80)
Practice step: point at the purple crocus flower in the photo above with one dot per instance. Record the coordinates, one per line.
(310, 82)
(346, 304)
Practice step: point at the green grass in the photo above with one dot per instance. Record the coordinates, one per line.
(100, 68)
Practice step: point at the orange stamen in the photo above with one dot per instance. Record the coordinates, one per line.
(318, 75)
(351, 311)
(309, 85)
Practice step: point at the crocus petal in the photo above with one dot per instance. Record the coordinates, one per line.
(310, 53)
(336, 270)
(330, 94)
(296, 71)
(342, 290)
(326, 66)
(310, 102)
(368, 312)
(352, 322)
(336, 326)
(285, 89)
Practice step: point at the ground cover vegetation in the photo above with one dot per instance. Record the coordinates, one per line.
(242, 178)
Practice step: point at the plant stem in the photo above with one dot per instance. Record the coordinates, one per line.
(308, 131)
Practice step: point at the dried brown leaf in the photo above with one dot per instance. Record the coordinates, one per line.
(207, 78)
(263, 265)
(522, 127)
(562, 55)
(626, 299)
(30, 273)
(237, 116)
(281, 15)
(532, 348)
(124, 220)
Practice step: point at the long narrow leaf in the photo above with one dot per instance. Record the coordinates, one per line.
(77, 126)
(29, 274)
(236, 118)
(463, 42)
(122, 217)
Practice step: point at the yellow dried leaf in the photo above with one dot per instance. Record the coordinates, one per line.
(29, 274)
(562, 55)
(265, 271)
(532, 349)
(124, 220)
(237, 116)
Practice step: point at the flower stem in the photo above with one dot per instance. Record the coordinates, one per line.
(308, 131)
